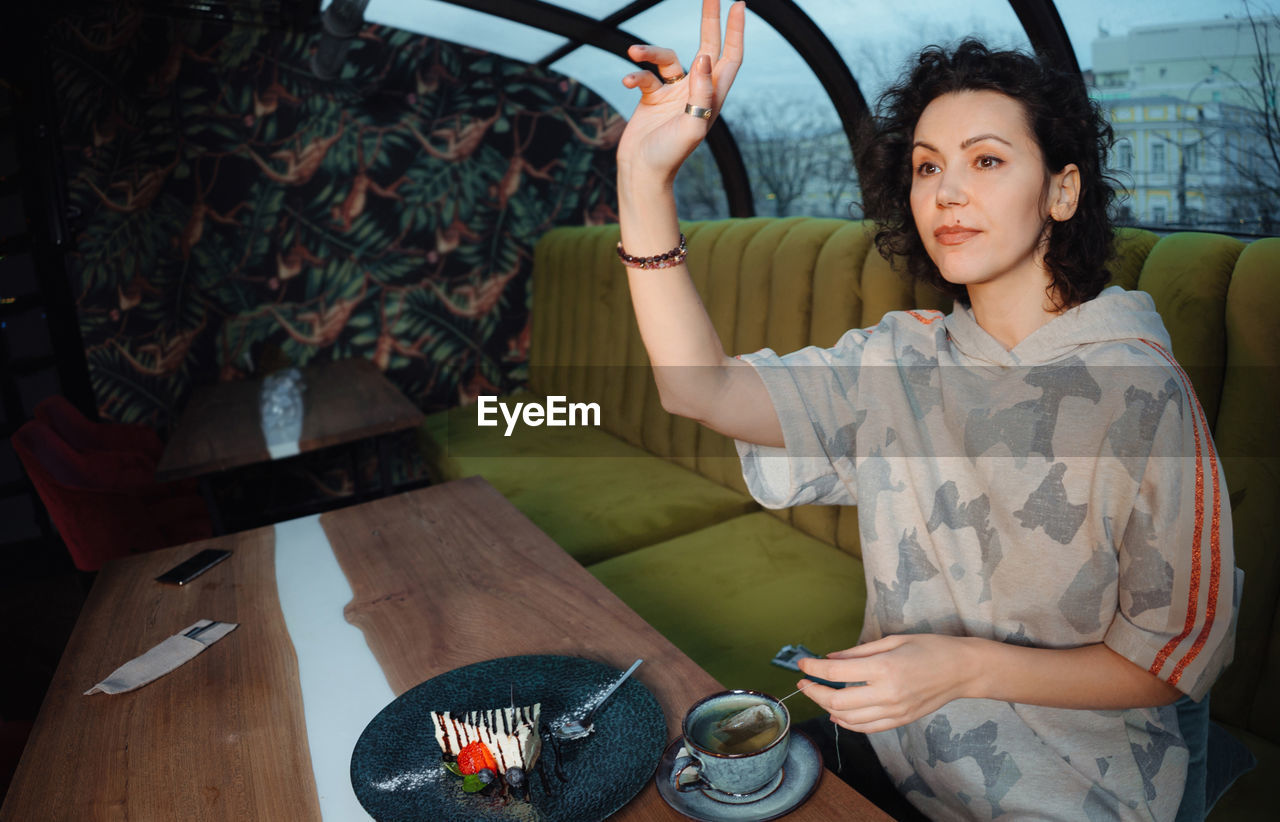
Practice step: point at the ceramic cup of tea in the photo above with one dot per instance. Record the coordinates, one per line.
(735, 742)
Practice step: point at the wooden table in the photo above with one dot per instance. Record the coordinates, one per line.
(345, 401)
(435, 578)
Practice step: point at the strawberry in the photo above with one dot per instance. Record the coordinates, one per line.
(475, 757)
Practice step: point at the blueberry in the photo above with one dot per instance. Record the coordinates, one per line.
(515, 777)
(486, 776)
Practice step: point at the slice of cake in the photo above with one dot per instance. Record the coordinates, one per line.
(510, 733)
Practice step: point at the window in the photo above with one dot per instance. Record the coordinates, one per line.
(1124, 156)
(1209, 63)
(699, 189)
(446, 21)
(601, 71)
(876, 40)
(1138, 58)
(1158, 214)
(592, 8)
(1191, 156)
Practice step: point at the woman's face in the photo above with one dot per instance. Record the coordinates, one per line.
(980, 192)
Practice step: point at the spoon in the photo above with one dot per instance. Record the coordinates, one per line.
(573, 728)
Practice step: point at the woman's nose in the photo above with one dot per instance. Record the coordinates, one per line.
(951, 190)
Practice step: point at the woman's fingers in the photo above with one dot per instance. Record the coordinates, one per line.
(733, 33)
(665, 59)
(702, 91)
(867, 727)
(730, 61)
(731, 55)
(710, 30)
(643, 80)
(876, 646)
(721, 64)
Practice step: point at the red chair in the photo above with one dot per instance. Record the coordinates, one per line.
(83, 434)
(105, 504)
(137, 448)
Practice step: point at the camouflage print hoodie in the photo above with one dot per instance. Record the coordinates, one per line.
(1064, 493)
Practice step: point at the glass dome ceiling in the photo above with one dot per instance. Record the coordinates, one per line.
(831, 58)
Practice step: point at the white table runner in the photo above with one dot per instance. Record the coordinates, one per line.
(343, 686)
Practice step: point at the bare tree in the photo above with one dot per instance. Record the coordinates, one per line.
(777, 143)
(837, 175)
(699, 189)
(1249, 139)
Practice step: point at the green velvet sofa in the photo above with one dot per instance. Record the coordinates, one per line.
(656, 508)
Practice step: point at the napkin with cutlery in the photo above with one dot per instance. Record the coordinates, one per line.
(163, 658)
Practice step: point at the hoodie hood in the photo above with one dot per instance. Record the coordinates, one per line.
(1113, 315)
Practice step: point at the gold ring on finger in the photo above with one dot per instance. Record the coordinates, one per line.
(698, 111)
(672, 80)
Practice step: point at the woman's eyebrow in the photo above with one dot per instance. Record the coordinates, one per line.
(979, 138)
(975, 139)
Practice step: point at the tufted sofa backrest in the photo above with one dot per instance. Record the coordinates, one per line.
(787, 283)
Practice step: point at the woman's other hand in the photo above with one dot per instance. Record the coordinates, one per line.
(907, 676)
(910, 675)
(660, 134)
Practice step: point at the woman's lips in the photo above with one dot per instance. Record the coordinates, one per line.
(954, 234)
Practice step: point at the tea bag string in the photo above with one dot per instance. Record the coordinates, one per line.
(793, 693)
(834, 724)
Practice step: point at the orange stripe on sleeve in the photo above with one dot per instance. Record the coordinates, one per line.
(1215, 557)
(1215, 551)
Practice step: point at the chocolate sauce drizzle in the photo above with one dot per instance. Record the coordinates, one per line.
(548, 736)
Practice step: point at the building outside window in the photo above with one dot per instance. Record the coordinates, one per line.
(1200, 88)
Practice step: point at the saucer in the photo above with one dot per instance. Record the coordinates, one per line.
(799, 779)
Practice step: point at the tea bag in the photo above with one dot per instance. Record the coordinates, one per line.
(747, 723)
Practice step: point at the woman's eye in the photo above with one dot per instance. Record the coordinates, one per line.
(987, 161)
(926, 168)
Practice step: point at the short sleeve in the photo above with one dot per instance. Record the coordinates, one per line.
(1178, 585)
(813, 391)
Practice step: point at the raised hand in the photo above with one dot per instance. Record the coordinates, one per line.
(661, 133)
(724, 394)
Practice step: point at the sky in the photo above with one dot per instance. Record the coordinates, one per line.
(873, 39)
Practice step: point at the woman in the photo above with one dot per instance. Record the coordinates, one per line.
(1044, 529)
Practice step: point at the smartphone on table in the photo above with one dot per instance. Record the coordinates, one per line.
(185, 571)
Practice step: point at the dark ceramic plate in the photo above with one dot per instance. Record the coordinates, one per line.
(397, 772)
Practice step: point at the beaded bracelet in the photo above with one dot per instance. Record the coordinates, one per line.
(671, 258)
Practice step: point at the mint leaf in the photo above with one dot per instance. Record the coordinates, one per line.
(453, 768)
(471, 783)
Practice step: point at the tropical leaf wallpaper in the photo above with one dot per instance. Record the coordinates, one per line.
(231, 212)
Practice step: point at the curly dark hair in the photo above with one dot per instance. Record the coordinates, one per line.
(1067, 125)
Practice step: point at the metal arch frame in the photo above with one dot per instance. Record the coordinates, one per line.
(1039, 18)
(822, 57)
(620, 16)
(1048, 36)
(579, 29)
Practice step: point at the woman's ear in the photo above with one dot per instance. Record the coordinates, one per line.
(1064, 193)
